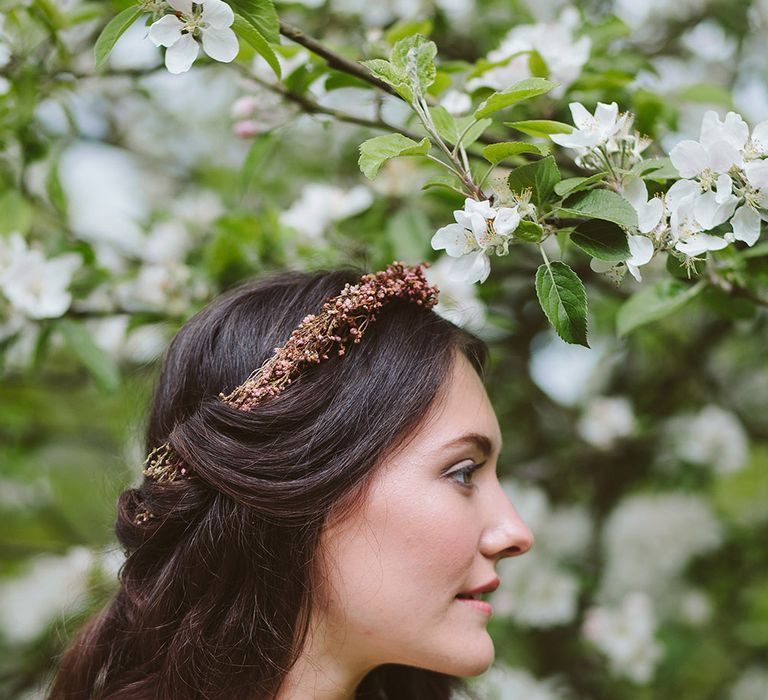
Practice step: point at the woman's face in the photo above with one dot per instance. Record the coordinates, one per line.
(429, 530)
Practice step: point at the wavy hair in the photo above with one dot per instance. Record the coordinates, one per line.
(216, 592)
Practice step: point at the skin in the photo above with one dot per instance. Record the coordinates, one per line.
(393, 569)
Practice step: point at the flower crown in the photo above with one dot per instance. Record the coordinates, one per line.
(343, 317)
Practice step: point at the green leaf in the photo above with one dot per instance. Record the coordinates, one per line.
(261, 15)
(541, 177)
(564, 300)
(376, 151)
(101, 366)
(497, 152)
(244, 29)
(602, 239)
(444, 123)
(523, 90)
(540, 127)
(656, 169)
(113, 31)
(603, 204)
(391, 75)
(529, 232)
(475, 131)
(707, 93)
(404, 28)
(575, 184)
(15, 213)
(409, 233)
(537, 65)
(414, 57)
(261, 148)
(655, 302)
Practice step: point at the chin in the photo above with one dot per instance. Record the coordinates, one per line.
(472, 659)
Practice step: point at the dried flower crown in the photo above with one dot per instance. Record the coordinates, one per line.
(343, 317)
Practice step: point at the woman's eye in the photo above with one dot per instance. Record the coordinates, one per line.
(464, 475)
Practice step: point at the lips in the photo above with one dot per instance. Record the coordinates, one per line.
(488, 587)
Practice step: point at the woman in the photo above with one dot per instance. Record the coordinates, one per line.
(323, 542)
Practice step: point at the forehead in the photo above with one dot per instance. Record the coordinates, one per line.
(462, 408)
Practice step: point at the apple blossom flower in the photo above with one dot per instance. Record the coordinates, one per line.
(456, 103)
(592, 130)
(208, 20)
(564, 55)
(36, 286)
(479, 227)
(745, 224)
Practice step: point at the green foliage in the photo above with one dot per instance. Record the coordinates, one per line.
(101, 366)
(376, 151)
(602, 204)
(497, 152)
(246, 30)
(523, 90)
(261, 15)
(113, 31)
(540, 127)
(655, 302)
(540, 177)
(601, 239)
(563, 299)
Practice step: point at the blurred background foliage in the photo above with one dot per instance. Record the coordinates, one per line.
(640, 464)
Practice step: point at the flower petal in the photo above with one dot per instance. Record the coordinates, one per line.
(184, 6)
(581, 117)
(220, 44)
(606, 115)
(506, 221)
(180, 57)
(757, 174)
(455, 239)
(746, 225)
(679, 191)
(689, 158)
(166, 31)
(760, 138)
(701, 243)
(709, 213)
(724, 155)
(471, 268)
(217, 14)
(724, 188)
(641, 249)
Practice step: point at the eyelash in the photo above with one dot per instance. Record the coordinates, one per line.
(468, 471)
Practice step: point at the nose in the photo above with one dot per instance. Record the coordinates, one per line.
(505, 534)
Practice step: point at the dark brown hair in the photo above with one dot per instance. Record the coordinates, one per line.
(216, 592)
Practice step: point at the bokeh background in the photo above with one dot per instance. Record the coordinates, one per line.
(641, 464)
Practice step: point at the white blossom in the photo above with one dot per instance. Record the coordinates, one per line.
(649, 539)
(458, 301)
(207, 20)
(456, 103)
(502, 682)
(626, 635)
(36, 286)
(713, 437)
(480, 228)
(320, 205)
(555, 41)
(592, 130)
(606, 419)
(536, 592)
(49, 586)
(751, 685)
(649, 215)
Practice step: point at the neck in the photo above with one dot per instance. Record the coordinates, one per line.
(324, 671)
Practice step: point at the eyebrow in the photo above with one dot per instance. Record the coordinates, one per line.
(482, 442)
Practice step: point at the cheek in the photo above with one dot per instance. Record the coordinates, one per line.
(410, 554)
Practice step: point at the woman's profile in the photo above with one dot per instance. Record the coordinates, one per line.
(329, 539)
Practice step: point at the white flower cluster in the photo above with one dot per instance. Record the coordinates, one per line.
(603, 139)
(537, 590)
(649, 539)
(725, 177)
(480, 228)
(319, 205)
(752, 685)
(502, 682)
(606, 420)
(563, 54)
(713, 437)
(186, 25)
(35, 286)
(626, 635)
